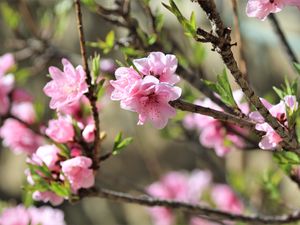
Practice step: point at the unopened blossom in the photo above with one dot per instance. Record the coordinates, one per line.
(271, 139)
(24, 111)
(7, 61)
(48, 154)
(262, 8)
(77, 171)
(225, 199)
(161, 66)
(107, 65)
(213, 134)
(47, 196)
(61, 130)
(151, 102)
(19, 215)
(88, 133)
(19, 138)
(6, 86)
(67, 86)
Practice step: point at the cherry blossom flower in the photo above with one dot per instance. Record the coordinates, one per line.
(89, 132)
(67, 86)
(61, 130)
(7, 61)
(15, 216)
(24, 111)
(107, 65)
(161, 66)
(225, 199)
(6, 86)
(262, 8)
(19, 138)
(47, 154)
(271, 139)
(213, 134)
(47, 196)
(77, 171)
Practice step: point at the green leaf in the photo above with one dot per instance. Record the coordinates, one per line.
(152, 39)
(121, 143)
(110, 39)
(286, 160)
(59, 189)
(10, 16)
(159, 21)
(193, 21)
(297, 67)
(89, 3)
(96, 66)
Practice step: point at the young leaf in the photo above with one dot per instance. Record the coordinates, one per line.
(286, 160)
(297, 67)
(59, 189)
(10, 16)
(120, 143)
(96, 66)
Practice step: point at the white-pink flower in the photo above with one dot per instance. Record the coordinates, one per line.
(225, 199)
(46, 215)
(7, 61)
(77, 171)
(47, 154)
(262, 8)
(47, 196)
(61, 130)
(88, 133)
(6, 86)
(160, 66)
(67, 86)
(24, 111)
(19, 138)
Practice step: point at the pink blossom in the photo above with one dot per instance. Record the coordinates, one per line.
(262, 8)
(24, 111)
(291, 102)
(6, 86)
(47, 196)
(107, 66)
(46, 216)
(66, 87)
(61, 130)
(15, 216)
(225, 199)
(151, 101)
(19, 138)
(7, 61)
(47, 154)
(89, 133)
(77, 171)
(159, 65)
(21, 95)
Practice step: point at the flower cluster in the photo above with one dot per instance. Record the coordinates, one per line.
(271, 139)
(149, 89)
(194, 188)
(213, 133)
(20, 215)
(262, 8)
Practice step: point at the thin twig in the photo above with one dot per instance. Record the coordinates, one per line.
(283, 38)
(91, 95)
(191, 208)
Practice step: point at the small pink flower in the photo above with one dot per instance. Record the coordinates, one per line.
(262, 8)
(24, 111)
(19, 138)
(61, 130)
(21, 95)
(47, 196)
(225, 199)
(161, 66)
(6, 86)
(47, 154)
(291, 102)
(77, 171)
(151, 102)
(7, 61)
(46, 216)
(89, 133)
(15, 216)
(66, 87)
(107, 66)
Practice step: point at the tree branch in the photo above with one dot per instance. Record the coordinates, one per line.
(91, 92)
(201, 211)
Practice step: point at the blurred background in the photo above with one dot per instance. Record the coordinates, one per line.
(40, 32)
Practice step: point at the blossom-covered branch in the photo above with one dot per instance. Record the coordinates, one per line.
(197, 209)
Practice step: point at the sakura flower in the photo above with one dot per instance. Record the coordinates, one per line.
(151, 102)
(15, 216)
(107, 66)
(19, 138)
(161, 66)
(7, 61)
(47, 154)
(6, 86)
(262, 8)
(24, 111)
(225, 199)
(89, 133)
(61, 130)
(67, 86)
(46, 215)
(47, 196)
(77, 171)
(291, 102)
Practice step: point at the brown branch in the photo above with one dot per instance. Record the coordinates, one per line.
(201, 211)
(91, 92)
(283, 38)
(222, 43)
